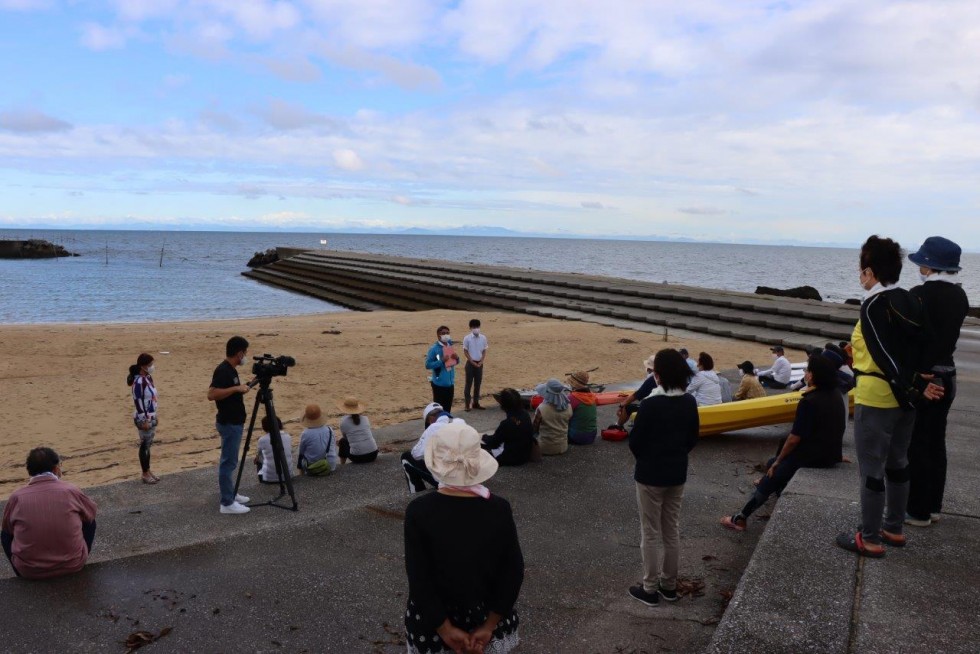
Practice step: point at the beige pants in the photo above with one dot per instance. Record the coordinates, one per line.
(660, 513)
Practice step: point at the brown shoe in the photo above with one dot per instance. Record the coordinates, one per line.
(895, 540)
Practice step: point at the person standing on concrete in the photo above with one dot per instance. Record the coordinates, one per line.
(779, 375)
(441, 360)
(49, 525)
(882, 424)
(475, 348)
(664, 432)
(946, 305)
(228, 393)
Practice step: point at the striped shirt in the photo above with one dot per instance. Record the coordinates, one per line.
(145, 398)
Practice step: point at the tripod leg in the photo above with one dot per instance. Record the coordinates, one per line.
(282, 465)
(248, 438)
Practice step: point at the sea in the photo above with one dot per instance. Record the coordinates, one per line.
(145, 276)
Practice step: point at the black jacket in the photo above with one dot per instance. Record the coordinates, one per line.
(665, 430)
(895, 331)
(946, 306)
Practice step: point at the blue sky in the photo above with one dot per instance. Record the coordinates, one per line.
(716, 120)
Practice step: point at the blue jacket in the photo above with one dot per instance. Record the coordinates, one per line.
(441, 375)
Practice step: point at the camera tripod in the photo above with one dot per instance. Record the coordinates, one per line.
(264, 397)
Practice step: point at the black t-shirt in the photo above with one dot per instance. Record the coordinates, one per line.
(231, 410)
(820, 423)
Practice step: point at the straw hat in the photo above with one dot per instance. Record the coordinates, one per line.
(350, 405)
(579, 378)
(648, 362)
(454, 457)
(313, 417)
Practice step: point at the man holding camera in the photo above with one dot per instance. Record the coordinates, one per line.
(228, 394)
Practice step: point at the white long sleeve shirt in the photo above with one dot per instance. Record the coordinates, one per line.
(781, 370)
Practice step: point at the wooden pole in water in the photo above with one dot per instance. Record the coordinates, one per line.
(107, 253)
(161, 252)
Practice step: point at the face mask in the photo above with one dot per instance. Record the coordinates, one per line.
(444, 338)
(774, 356)
(741, 373)
(923, 276)
(150, 370)
(648, 371)
(241, 361)
(476, 331)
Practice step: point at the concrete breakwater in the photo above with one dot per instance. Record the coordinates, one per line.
(368, 282)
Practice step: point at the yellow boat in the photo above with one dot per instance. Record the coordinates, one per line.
(744, 414)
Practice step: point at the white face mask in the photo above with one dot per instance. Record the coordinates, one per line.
(923, 276)
(445, 338)
(241, 361)
(150, 370)
(476, 331)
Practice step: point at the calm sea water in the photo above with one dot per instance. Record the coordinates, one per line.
(200, 277)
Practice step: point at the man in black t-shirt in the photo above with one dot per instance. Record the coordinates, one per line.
(228, 394)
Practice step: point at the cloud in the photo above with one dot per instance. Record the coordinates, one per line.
(348, 160)
(251, 191)
(24, 5)
(592, 205)
(101, 37)
(285, 115)
(31, 121)
(294, 69)
(703, 211)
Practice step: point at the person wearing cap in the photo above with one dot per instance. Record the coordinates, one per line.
(815, 440)
(582, 426)
(48, 526)
(440, 361)
(511, 443)
(434, 418)
(357, 441)
(946, 304)
(265, 460)
(664, 432)
(552, 416)
(888, 388)
(749, 388)
(691, 363)
(317, 444)
(705, 386)
(779, 375)
(462, 554)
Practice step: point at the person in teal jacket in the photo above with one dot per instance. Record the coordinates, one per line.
(441, 360)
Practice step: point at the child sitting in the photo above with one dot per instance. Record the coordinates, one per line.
(265, 462)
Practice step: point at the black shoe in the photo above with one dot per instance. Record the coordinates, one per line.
(667, 595)
(650, 599)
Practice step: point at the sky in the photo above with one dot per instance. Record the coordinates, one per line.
(809, 122)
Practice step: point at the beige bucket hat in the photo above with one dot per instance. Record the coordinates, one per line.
(454, 457)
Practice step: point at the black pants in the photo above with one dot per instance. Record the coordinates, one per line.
(417, 474)
(7, 541)
(770, 382)
(927, 454)
(769, 485)
(474, 378)
(343, 445)
(444, 396)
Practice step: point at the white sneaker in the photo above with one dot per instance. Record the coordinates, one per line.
(235, 508)
(934, 517)
(241, 499)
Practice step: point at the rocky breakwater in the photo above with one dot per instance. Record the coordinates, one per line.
(34, 248)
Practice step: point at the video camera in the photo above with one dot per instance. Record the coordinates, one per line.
(267, 366)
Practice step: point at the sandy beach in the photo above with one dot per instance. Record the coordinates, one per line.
(64, 385)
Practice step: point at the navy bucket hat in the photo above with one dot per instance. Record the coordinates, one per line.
(938, 253)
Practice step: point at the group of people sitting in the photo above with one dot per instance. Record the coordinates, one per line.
(320, 451)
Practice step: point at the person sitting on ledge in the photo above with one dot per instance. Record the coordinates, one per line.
(317, 445)
(552, 416)
(511, 443)
(434, 418)
(631, 403)
(705, 386)
(814, 441)
(265, 462)
(49, 525)
(749, 388)
(582, 428)
(782, 370)
(357, 440)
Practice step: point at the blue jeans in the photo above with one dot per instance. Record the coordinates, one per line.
(231, 441)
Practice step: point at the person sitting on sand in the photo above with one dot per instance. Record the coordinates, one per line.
(511, 443)
(317, 445)
(265, 462)
(782, 370)
(665, 432)
(552, 416)
(814, 441)
(49, 525)
(357, 441)
(582, 427)
(705, 386)
(434, 418)
(749, 388)
(145, 412)
(630, 403)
